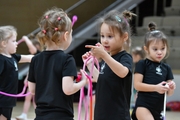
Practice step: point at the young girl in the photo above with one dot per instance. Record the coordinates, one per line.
(114, 81)
(9, 69)
(34, 48)
(52, 72)
(150, 77)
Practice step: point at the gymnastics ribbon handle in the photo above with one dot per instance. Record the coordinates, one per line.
(74, 19)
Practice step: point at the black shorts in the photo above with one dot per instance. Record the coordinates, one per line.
(93, 90)
(155, 114)
(6, 112)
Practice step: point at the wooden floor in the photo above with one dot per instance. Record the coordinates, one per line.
(18, 109)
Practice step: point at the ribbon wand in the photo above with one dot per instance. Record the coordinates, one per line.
(164, 110)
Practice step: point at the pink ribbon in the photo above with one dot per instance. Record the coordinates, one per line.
(17, 95)
(89, 94)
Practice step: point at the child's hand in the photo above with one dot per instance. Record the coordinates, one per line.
(25, 38)
(172, 85)
(97, 50)
(26, 82)
(83, 76)
(85, 56)
(162, 87)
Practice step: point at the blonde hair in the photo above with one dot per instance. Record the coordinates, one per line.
(53, 24)
(6, 32)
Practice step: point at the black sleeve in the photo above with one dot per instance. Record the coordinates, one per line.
(69, 68)
(31, 71)
(170, 74)
(126, 60)
(17, 57)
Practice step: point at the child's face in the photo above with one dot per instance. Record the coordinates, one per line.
(11, 45)
(157, 51)
(111, 41)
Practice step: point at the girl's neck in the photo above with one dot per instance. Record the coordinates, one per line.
(53, 46)
(7, 55)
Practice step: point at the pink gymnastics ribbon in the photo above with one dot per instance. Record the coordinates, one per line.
(74, 19)
(17, 95)
(20, 41)
(89, 94)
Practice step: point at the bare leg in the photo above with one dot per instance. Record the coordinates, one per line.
(2, 117)
(143, 114)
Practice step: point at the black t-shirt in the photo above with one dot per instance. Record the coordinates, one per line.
(8, 79)
(153, 73)
(47, 70)
(112, 92)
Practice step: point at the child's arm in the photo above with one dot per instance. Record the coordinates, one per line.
(99, 52)
(115, 66)
(26, 58)
(31, 47)
(172, 86)
(70, 87)
(31, 87)
(140, 86)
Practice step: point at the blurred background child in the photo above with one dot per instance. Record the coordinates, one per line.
(9, 69)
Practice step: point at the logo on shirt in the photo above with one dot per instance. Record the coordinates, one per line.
(158, 70)
(102, 68)
(15, 65)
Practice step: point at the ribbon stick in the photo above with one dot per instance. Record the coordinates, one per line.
(89, 94)
(74, 19)
(164, 110)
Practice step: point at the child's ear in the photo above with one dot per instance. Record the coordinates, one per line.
(145, 49)
(3, 43)
(125, 36)
(66, 34)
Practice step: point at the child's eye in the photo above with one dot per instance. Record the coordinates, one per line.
(110, 36)
(102, 36)
(154, 49)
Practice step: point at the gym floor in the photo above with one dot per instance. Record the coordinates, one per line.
(18, 109)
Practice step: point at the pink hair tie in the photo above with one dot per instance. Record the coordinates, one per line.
(59, 18)
(56, 29)
(126, 21)
(46, 16)
(44, 31)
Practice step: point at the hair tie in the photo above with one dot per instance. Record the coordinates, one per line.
(44, 31)
(46, 17)
(59, 18)
(126, 21)
(56, 29)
